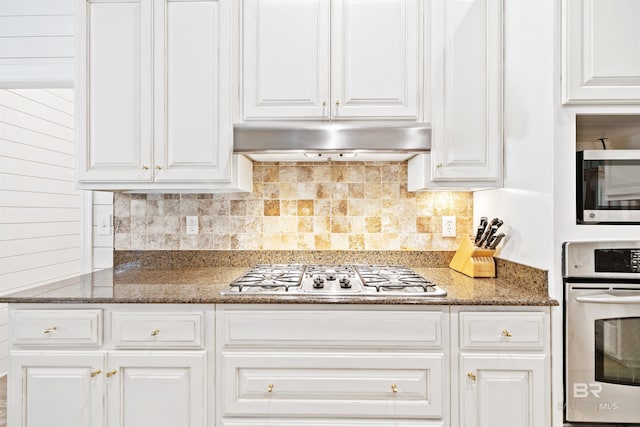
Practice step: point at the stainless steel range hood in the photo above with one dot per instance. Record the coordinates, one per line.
(337, 141)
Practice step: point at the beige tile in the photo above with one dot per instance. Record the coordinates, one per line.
(339, 224)
(305, 208)
(288, 207)
(356, 242)
(322, 241)
(339, 241)
(271, 207)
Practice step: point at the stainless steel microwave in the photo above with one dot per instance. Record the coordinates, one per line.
(608, 186)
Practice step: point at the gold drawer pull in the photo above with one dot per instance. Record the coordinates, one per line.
(158, 167)
(50, 330)
(394, 388)
(145, 167)
(155, 332)
(471, 376)
(96, 372)
(506, 333)
(111, 373)
(270, 388)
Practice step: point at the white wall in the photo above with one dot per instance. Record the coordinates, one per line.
(39, 206)
(526, 203)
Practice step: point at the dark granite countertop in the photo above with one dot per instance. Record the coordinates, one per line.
(131, 283)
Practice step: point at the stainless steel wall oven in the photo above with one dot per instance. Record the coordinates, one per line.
(602, 331)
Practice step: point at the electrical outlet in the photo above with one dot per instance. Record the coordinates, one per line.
(192, 225)
(448, 226)
(104, 225)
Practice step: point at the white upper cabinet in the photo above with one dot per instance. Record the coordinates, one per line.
(113, 91)
(466, 97)
(601, 54)
(332, 59)
(154, 95)
(286, 58)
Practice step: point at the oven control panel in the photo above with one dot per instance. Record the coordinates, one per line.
(611, 259)
(617, 260)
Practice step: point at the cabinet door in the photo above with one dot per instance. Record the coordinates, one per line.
(113, 90)
(286, 59)
(192, 94)
(602, 59)
(466, 91)
(156, 389)
(503, 390)
(56, 389)
(375, 59)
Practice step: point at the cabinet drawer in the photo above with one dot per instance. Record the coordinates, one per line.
(330, 328)
(333, 384)
(56, 327)
(502, 330)
(154, 330)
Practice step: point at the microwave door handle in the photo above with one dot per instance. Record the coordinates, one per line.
(610, 299)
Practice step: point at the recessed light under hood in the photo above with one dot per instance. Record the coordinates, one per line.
(336, 141)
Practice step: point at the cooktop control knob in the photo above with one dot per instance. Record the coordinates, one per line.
(345, 282)
(318, 282)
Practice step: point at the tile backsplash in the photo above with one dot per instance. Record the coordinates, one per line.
(298, 206)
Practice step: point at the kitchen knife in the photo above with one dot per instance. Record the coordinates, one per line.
(485, 235)
(492, 232)
(483, 224)
(495, 240)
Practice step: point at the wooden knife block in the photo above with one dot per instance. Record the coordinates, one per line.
(473, 261)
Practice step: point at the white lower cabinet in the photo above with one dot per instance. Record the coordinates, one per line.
(329, 366)
(154, 382)
(500, 367)
(278, 365)
(56, 388)
(502, 390)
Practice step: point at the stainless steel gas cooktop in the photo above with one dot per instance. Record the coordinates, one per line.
(333, 280)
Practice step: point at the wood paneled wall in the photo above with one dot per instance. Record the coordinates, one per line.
(39, 206)
(36, 43)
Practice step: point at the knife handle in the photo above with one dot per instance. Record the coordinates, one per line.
(492, 232)
(496, 240)
(481, 230)
(479, 234)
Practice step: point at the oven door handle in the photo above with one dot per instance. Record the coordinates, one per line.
(610, 299)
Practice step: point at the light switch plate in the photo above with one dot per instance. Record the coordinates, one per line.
(104, 225)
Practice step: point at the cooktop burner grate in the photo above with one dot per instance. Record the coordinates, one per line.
(333, 280)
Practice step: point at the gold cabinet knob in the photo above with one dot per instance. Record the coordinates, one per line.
(145, 168)
(50, 330)
(439, 166)
(111, 373)
(324, 103)
(506, 333)
(394, 388)
(270, 388)
(155, 332)
(158, 167)
(471, 376)
(96, 372)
